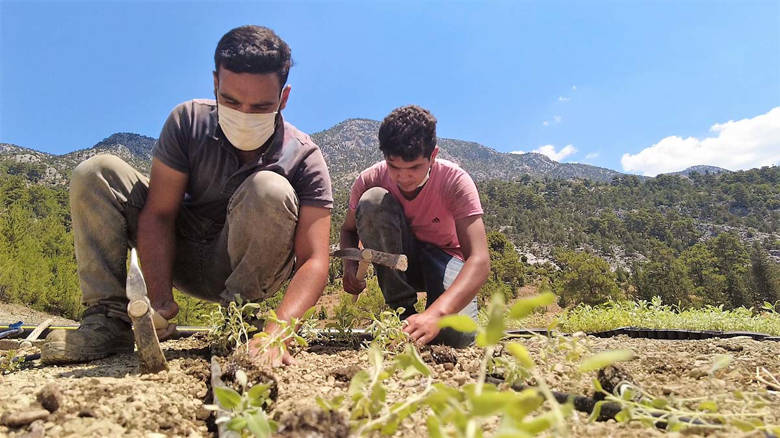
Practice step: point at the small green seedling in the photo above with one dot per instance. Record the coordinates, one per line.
(287, 332)
(9, 362)
(387, 332)
(244, 412)
(230, 328)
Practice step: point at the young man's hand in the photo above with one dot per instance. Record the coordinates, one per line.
(260, 354)
(423, 327)
(352, 284)
(166, 308)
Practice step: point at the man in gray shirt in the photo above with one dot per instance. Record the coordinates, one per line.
(238, 201)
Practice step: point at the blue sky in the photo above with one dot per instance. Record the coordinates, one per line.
(638, 86)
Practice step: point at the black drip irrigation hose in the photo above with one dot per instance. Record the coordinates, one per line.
(632, 332)
(582, 403)
(646, 333)
(608, 410)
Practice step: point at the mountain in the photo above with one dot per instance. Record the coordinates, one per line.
(352, 145)
(701, 170)
(135, 149)
(55, 169)
(348, 147)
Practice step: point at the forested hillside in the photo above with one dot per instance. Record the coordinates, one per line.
(704, 239)
(696, 240)
(37, 263)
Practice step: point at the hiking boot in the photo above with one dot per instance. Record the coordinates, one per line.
(98, 336)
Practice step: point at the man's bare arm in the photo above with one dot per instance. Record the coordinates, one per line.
(156, 235)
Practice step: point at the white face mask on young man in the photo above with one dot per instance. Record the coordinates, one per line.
(247, 131)
(425, 180)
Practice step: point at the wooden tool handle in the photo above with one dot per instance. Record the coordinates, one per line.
(152, 358)
(361, 270)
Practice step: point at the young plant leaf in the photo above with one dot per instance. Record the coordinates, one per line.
(623, 416)
(434, 427)
(604, 359)
(488, 403)
(411, 363)
(525, 306)
(236, 423)
(721, 361)
(259, 393)
(257, 423)
(228, 398)
(461, 323)
(708, 405)
(494, 329)
(520, 353)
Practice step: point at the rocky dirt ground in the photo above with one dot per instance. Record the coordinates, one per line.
(109, 397)
(11, 313)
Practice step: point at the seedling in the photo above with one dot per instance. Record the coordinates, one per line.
(244, 412)
(230, 328)
(345, 318)
(9, 362)
(286, 333)
(387, 332)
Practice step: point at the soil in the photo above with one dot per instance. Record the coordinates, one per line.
(11, 313)
(109, 397)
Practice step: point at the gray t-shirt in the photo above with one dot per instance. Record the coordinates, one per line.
(192, 142)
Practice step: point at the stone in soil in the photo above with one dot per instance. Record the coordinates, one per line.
(50, 397)
(313, 423)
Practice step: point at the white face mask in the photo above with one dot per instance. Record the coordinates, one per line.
(247, 131)
(425, 180)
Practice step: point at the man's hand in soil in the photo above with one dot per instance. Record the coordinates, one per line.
(261, 353)
(423, 327)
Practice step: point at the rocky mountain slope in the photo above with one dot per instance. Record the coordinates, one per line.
(55, 169)
(352, 145)
(348, 147)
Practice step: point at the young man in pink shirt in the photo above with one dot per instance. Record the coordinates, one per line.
(428, 209)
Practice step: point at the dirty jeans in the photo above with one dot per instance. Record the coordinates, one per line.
(251, 256)
(381, 225)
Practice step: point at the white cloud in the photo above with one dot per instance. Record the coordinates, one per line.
(517, 152)
(592, 155)
(555, 120)
(550, 151)
(741, 144)
(573, 88)
(563, 99)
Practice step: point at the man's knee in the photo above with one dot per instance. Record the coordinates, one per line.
(265, 191)
(377, 200)
(89, 172)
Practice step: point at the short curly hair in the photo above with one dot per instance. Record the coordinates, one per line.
(408, 132)
(253, 49)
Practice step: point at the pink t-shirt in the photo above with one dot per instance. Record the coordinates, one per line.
(448, 195)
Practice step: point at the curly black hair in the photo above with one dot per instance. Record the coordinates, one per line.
(408, 132)
(253, 49)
